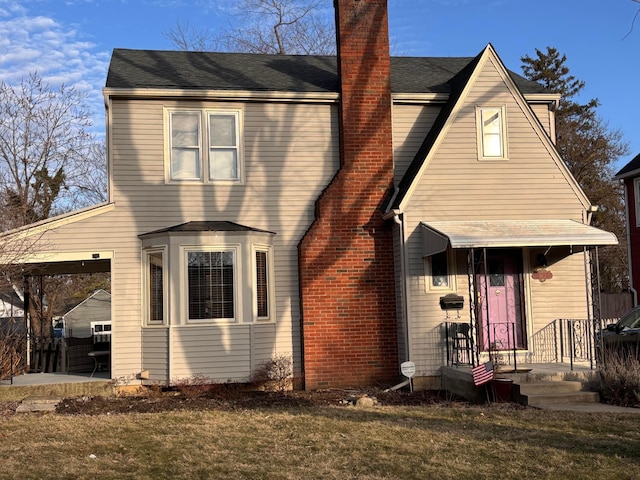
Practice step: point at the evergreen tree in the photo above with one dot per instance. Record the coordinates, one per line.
(590, 149)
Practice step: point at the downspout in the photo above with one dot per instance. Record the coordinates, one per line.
(403, 285)
(632, 289)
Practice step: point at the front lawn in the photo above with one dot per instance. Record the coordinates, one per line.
(447, 440)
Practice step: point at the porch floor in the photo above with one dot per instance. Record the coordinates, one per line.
(30, 379)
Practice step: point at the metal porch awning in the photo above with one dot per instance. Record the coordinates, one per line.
(436, 236)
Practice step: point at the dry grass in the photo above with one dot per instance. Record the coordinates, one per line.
(451, 441)
(620, 377)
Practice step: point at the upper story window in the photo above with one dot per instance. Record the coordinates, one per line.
(204, 146)
(492, 137)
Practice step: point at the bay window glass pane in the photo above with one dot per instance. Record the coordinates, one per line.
(261, 284)
(156, 288)
(223, 164)
(210, 278)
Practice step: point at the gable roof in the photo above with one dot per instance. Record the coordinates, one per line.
(100, 294)
(459, 85)
(630, 169)
(162, 69)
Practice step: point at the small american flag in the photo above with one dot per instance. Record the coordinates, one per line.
(482, 373)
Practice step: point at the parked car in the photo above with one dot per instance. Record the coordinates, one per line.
(624, 334)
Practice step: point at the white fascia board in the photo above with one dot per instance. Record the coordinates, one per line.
(231, 95)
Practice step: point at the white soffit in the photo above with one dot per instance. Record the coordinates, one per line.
(510, 233)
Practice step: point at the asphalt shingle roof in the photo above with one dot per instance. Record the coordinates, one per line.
(281, 73)
(630, 167)
(206, 226)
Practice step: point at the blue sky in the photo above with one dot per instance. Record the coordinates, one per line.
(71, 40)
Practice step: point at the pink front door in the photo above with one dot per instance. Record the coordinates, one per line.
(500, 300)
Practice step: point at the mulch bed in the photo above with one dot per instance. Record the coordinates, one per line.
(230, 398)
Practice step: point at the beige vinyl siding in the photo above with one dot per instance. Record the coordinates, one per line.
(544, 115)
(411, 123)
(458, 186)
(218, 352)
(290, 155)
(155, 353)
(527, 185)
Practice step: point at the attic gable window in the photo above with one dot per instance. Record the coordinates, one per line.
(492, 138)
(203, 146)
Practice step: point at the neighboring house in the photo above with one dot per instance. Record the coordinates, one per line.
(11, 312)
(267, 205)
(630, 176)
(11, 305)
(94, 310)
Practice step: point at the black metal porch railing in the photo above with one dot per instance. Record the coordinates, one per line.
(501, 341)
(565, 340)
(561, 341)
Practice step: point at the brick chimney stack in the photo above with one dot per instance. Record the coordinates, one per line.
(346, 257)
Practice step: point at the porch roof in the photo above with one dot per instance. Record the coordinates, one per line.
(510, 233)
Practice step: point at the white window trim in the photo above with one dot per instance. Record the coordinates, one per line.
(146, 315)
(204, 144)
(451, 268)
(503, 132)
(636, 198)
(268, 249)
(237, 294)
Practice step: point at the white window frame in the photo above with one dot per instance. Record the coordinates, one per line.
(451, 277)
(237, 296)
(636, 198)
(146, 285)
(270, 283)
(482, 112)
(204, 147)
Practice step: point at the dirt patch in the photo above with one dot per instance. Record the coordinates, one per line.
(237, 399)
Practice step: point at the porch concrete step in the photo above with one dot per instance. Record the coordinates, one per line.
(543, 388)
(565, 398)
(38, 404)
(545, 393)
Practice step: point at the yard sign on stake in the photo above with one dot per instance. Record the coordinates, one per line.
(408, 369)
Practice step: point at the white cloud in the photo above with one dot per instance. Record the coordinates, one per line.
(59, 53)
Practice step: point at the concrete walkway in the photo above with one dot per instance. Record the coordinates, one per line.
(588, 407)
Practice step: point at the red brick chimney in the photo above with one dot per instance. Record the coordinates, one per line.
(346, 257)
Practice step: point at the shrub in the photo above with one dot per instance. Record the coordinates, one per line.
(275, 374)
(195, 386)
(12, 350)
(620, 378)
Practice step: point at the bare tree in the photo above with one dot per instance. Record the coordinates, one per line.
(296, 27)
(90, 185)
(590, 150)
(44, 143)
(633, 20)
